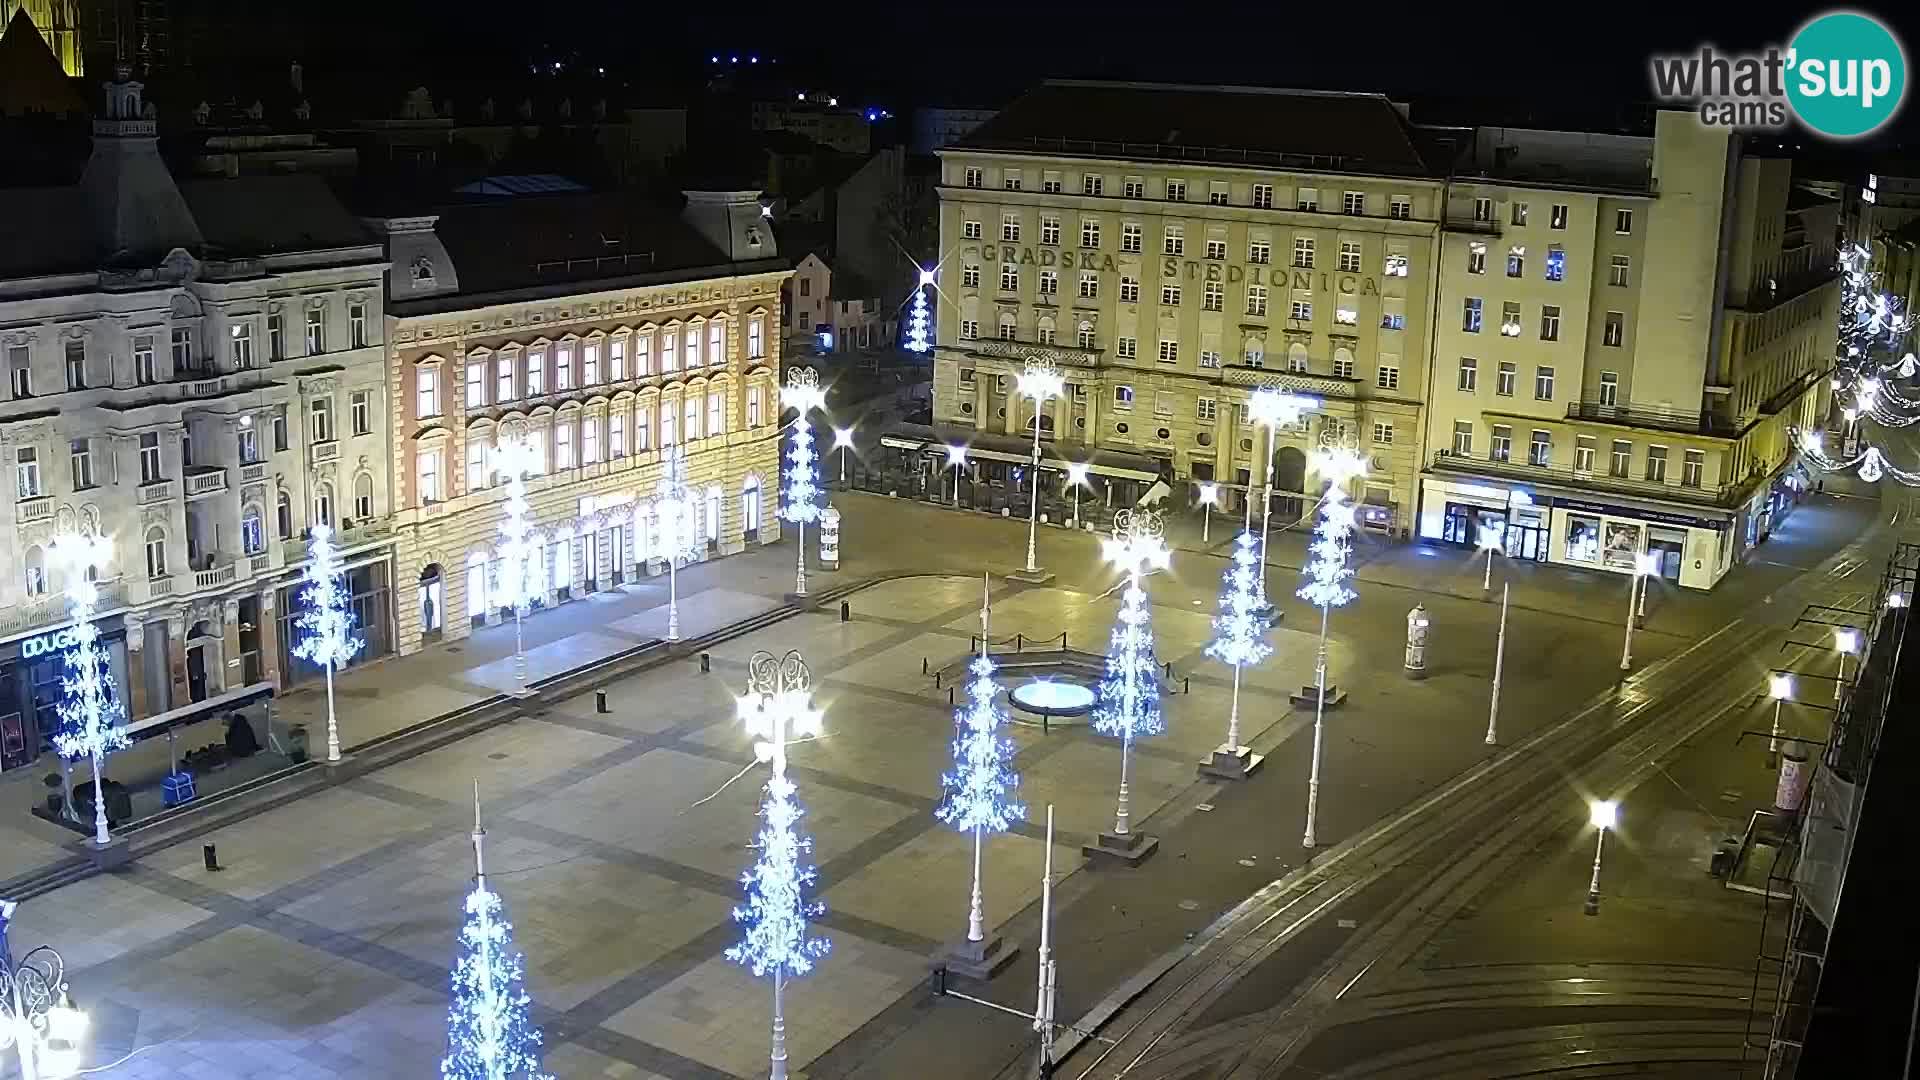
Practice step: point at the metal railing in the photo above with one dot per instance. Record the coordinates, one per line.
(1716, 495)
(1648, 416)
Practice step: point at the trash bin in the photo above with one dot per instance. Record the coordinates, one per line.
(297, 743)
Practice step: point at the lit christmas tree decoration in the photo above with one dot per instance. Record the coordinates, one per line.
(1326, 586)
(490, 1032)
(514, 459)
(802, 393)
(1239, 637)
(981, 786)
(327, 623)
(92, 720)
(1127, 701)
(919, 324)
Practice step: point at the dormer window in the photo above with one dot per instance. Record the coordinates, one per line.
(753, 237)
(423, 271)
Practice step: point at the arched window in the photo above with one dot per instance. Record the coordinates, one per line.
(253, 529)
(1007, 326)
(1045, 331)
(283, 515)
(36, 571)
(323, 504)
(1297, 357)
(1086, 339)
(1343, 363)
(363, 496)
(750, 507)
(1254, 352)
(156, 552)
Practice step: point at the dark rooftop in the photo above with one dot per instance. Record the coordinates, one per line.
(271, 215)
(1303, 129)
(1799, 198)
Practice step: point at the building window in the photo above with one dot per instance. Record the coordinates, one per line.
(1692, 465)
(143, 367)
(183, 359)
(1123, 397)
(1086, 336)
(1134, 188)
(249, 440)
(1543, 384)
(1622, 458)
(503, 392)
(1556, 264)
(1209, 358)
(1254, 353)
(1176, 191)
(1387, 377)
(76, 356)
(1583, 453)
(1011, 181)
(1623, 221)
(1557, 218)
(1050, 230)
(642, 428)
(970, 230)
(1129, 291)
(1501, 448)
(616, 359)
(1303, 252)
(316, 331)
(1050, 183)
(590, 359)
(1470, 315)
(1307, 199)
(1469, 375)
(1519, 213)
(1256, 299)
(320, 420)
(156, 552)
(1206, 409)
(694, 357)
(1126, 348)
(1297, 358)
(1483, 209)
(1162, 405)
(1130, 234)
(1089, 233)
(1540, 450)
(1463, 438)
(1044, 333)
(1382, 433)
(357, 325)
(1396, 263)
(1657, 464)
(973, 177)
(1010, 228)
(1509, 319)
(1342, 365)
(1049, 283)
(1217, 194)
(1516, 261)
(1614, 330)
(1393, 320)
(20, 371)
(429, 472)
(1346, 310)
(1089, 285)
(1174, 240)
(80, 454)
(1300, 310)
(1349, 257)
(1169, 351)
(1550, 322)
(643, 354)
(476, 384)
(27, 472)
(1504, 378)
(280, 442)
(969, 279)
(276, 336)
(1620, 270)
(969, 329)
(1009, 277)
(283, 515)
(477, 472)
(589, 440)
(426, 392)
(1170, 295)
(1476, 258)
(1090, 184)
(1216, 250)
(1353, 203)
(1400, 208)
(360, 411)
(1609, 389)
(1263, 196)
(1260, 251)
(1008, 331)
(1213, 297)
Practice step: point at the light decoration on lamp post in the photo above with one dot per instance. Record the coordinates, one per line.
(1603, 815)
(1076, 479)
(980, 788)
(1780, 689)
(1040, 380)
(1127, 704)
(1239, 640)
(327, 622)
(1326, 587)
(676, 533)
(1209, 497)
(515, 458)
(1644, 565)
(802, 393)
(776, 708)
(92, 720)
(1491, 541)
(1272, 408)
(843, 442)
(919, 325)
(956, 457)
(1846, 642)
(490, 1031)
(37, 1018)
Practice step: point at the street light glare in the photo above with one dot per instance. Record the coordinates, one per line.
(1780, 687)
(1209, 492)
(1077, 472)
(1846, 639)
(1896, 600)
(842, 437)
(956, 455)
(1603, 813)
(1645, 563)
(1490, 539)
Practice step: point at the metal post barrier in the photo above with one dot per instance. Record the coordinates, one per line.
(600, 701)
(923, 660)
(936, 680)
(949, 695)
(209, 856)
(706, 663)
(1186, 685)
(846, 611)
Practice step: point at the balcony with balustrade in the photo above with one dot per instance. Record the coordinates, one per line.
(1655, 418)
(204, 480)
(32, 511)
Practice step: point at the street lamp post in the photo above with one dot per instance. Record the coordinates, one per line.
(37, 1017)
(1643, 565)
(1499, 660)
(1490, 542)
(677, 533)
(93, 722)
(1271, 407)
(1328, 589)
(1076, 479)
(1042, 382)
(1603, 814)
(1138, 544)
(1846, 641)
(1780, 689)
(515, 458)
(843, 441)
(956, 457)
(1209, 494)
(802, 393)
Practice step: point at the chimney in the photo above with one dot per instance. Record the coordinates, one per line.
(297, 78)
(733, 222)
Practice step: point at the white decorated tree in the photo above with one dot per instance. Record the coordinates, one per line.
(490, 1029)
(1239, 638)
(919, 320)
(1328, 571)
(802, 393)
(980, 788)
(1127, 700)
(326, 626)
(92, 720)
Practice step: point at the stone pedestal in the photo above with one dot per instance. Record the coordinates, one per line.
(1130, 850)
(112, 856)
(976, 960)
(1309, 697)
(1033, 577)
(1231, 763)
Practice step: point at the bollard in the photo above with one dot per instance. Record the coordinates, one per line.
(846, 611)
(1186, 685)
(706, 663)
(936, 680)
(949, 695)
(209, 856)
(600, 701)
(923, 663)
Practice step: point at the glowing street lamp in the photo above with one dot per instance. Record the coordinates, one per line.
(1041, 381)
(1896, 600)
(1603, 814)
(843, 441)
(1780, 689)
(1272, 408)
(1846, 641)
(1644, 565)
(1209, 495)
(956, 457)
(1490, 542)
(802, 393)
(1077, 479)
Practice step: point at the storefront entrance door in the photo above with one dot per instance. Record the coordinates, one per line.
(1526, 542)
